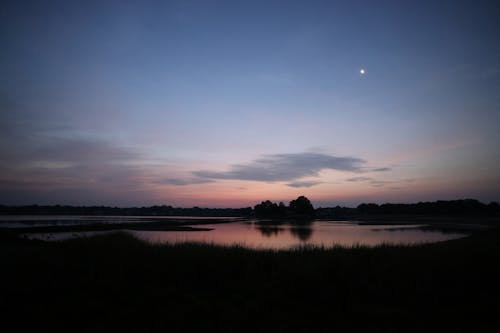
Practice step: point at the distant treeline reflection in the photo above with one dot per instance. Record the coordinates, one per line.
(302, 231)
(300, 206)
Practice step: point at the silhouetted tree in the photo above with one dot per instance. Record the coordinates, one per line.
(301, 206)
(267, 209)
(368, 208)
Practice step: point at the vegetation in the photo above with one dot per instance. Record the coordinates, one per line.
(130, 211)
(440, 208)
(452, 207)
(269, 209)
(300, 206)
(117, 283)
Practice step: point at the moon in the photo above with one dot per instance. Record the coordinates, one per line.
(362, 71)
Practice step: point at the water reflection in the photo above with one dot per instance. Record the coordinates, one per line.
(283, 234)
(270, 230)
(286, 235)
(302, 232)
(301, 229)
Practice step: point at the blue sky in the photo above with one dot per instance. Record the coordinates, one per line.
(227, 103)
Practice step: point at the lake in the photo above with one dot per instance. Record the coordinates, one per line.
(252, 233)
(285, 236)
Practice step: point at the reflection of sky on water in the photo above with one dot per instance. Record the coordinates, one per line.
(259, 234)
(285, 236)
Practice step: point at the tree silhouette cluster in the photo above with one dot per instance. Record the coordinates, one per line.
(163, 210)
(452, 207)
(298, 207)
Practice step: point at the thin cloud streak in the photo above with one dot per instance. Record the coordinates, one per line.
(381, 169)
(304, 184)
(359, 179)
(47, 169)
(182, 182)
(379, 183)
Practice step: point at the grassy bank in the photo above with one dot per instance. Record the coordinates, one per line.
(117, 283)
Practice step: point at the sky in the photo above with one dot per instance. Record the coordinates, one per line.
(228, 103)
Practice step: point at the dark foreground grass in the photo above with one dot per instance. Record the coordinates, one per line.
(115, 283)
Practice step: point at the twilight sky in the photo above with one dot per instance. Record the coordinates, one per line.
(228, 103)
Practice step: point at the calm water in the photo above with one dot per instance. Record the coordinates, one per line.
(285, 236)
(248, 233)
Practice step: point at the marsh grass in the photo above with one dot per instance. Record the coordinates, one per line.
(114, 282)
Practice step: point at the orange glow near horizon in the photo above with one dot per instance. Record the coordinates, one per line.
(229, 193)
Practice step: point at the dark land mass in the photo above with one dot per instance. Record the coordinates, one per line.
(118, 211)
(299, 208)
(115, 283)
(442, 209)
(103, 225)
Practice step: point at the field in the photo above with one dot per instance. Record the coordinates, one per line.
(117, 283)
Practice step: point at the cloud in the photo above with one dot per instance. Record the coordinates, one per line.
(303, 184)
(85, 151)
(371, 181)
(285, 167)
(57, 152)
(381, 169)
(379, 183)
(359, 179)
(43, 169)
(182, 182)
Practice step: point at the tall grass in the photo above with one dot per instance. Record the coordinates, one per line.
(114, 282)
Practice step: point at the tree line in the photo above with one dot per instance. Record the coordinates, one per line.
(298, 207)
(163, 210)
